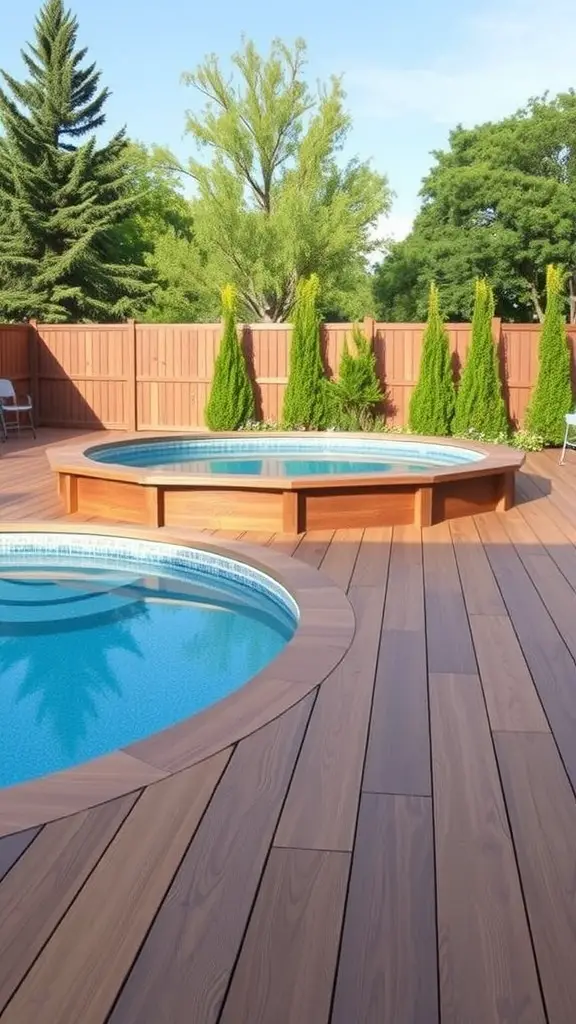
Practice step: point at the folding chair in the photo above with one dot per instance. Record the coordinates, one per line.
(570, 420)
(13, 405)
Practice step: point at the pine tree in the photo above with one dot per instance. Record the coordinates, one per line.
(355, 395)
(61, 195)
(479, 403)
(305, 401)
(552, 396)
(432, 402)
(231, 401)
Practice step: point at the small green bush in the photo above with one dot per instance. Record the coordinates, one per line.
(306, 400)
(479, 402)
(231, 401)
(552, 396)
(432, 402)
(354, 397)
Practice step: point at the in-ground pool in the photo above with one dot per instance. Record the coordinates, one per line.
(285, 482)
(105, 641)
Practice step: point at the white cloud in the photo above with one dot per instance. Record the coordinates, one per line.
(508, 53)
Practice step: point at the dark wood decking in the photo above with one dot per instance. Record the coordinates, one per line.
(397, 848)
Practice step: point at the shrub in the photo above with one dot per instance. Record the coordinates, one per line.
(479, 402)
(552, 395)
(432, 402)
(355, 395)
(231, 401)
(305, 401)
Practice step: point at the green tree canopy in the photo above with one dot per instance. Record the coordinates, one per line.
(61, 194)
(499, 203)
(274, 203)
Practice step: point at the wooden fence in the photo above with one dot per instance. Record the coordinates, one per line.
(157, 377)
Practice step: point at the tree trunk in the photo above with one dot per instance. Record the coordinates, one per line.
(536, 302)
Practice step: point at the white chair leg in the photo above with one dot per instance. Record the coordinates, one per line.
(565, 445)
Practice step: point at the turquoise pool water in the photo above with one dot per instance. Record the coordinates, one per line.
(100, 648)
(284, 457)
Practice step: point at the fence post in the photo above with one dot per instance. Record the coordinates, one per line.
(131, 369)
(32, 337)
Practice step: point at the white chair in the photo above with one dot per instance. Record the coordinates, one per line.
(570, 420)
(12, 407)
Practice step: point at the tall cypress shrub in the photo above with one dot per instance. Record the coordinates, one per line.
(231, 401)
(306, 400)
(479, 403)
(552, 396)
(432, 402)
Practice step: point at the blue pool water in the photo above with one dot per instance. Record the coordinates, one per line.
(284, 457)
(99, 648)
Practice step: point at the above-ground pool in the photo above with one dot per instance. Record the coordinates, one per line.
(105, 641)
(285, 483)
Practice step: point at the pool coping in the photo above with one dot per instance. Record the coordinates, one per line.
(69, 458)
(323, 636)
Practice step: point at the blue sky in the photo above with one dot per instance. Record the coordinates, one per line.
(411, 69)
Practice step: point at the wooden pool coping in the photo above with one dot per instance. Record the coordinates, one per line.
(73, 459)
(322, 638)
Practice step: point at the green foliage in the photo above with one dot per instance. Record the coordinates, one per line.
(61, 195)
(231, 401)
(552, 396)
(274, 202)
(355, 395)
(305, 400)
(479, 402)
(498, 203)
(432, 402)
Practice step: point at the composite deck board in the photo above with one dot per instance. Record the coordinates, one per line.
(185, 964)
(12, 847)
(487, 967)
(448, 637)
(388, 961)
(191, 912)
(36, 894)
(97, 942)
(550, 663)
(322, 803)
(542, 811)
(285, 972)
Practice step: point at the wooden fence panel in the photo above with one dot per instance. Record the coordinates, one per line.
(84, 375)
(15, 356)
(157, 376)
(174, 365)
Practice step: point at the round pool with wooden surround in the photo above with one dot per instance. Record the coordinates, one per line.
(284, 482)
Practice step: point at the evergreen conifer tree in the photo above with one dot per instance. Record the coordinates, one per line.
(231, 401)
(306, 400)
(479, 403)
(355, 395)
(432, 402)
(60, 194)
(552, 396)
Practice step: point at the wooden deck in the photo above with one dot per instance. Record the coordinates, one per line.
(398, 848)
